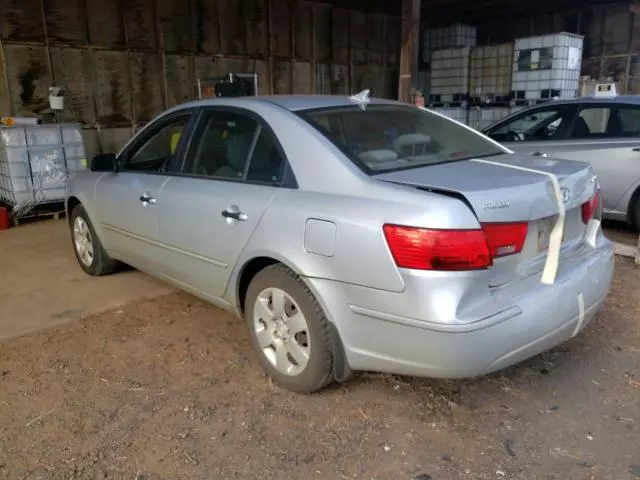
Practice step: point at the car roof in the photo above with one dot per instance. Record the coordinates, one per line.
(292, 102)
(632, 99)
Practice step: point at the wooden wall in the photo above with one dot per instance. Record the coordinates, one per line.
(124, 61)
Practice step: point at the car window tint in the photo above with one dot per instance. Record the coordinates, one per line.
(626, 123)
(591, 122)
(549, 124)
(160, 151)
(266, 164)
(224, 146)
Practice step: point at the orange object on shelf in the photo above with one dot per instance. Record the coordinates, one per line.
(5, 221)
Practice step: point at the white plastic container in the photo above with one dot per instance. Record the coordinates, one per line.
(547, 66)
(449, 82)
(453, 36)
(490, 69)
(35, 162)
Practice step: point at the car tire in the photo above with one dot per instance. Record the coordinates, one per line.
(289, 330)
(91, 256)
(634, 214)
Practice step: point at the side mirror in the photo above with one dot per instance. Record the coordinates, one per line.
(106, 162)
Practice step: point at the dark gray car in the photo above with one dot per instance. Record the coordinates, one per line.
(604, 132)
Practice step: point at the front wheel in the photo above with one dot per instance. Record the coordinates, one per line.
(92, 257)
(289, 330)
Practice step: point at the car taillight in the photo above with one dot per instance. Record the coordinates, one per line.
(428, 249)
(590, 208)
(505, 238)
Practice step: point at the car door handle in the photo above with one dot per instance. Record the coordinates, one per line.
(147, 199)
(234, 215)
(539, 154)
(637, 149)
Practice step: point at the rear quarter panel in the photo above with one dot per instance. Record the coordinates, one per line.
(360, 255)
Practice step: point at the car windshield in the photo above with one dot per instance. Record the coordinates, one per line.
(384, 138)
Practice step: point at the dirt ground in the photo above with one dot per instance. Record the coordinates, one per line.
(41, 284)
(168, 388)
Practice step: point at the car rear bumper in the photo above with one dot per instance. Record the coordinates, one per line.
(528, 318)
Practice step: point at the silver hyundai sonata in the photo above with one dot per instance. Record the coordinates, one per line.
(352, 234)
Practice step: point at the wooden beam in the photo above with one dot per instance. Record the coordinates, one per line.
(409, 49)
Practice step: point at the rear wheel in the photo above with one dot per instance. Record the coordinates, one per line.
(92, 257)
(289, 330)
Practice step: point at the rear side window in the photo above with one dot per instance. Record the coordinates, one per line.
(628, 123)
(234, 146)
(591, 122)
(384, 138)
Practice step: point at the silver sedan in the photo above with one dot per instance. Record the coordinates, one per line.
(604, 132)
(352, 234)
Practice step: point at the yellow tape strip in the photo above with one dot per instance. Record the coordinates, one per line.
(555, 239)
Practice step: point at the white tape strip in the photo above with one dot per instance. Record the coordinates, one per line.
(580, 314)
(555, 239)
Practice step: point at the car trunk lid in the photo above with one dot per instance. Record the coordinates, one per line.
(511, 188)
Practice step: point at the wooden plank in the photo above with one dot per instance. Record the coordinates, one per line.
(255, 19)
(375, 40)
(303, 31)
(208, 27)
(359, 50)
(323, 78)
(112, 89)
(261, 67)
(5, 95)
(19, 21)
(323, 30)
(29, 78)
(281, 80)
(281, 28)
(408, 49)
(340, 79)
(104, 19)
(65, 21)
(146, 71)
(340, 35)
(72, 68)
(179, 87)
(392, 41)
(176, 26)
(140, 24)
(206, 67)
(390, 83)
(233, 35)
(302, 78)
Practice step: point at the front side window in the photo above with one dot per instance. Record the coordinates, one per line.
(383, 138)
(548, 124)
(234, 146)
(159, 151)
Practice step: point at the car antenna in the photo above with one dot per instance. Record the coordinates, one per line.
(362, 98)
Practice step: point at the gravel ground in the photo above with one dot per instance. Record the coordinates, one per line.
(169, 389)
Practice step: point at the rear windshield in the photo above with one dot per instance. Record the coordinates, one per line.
(383, 138)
